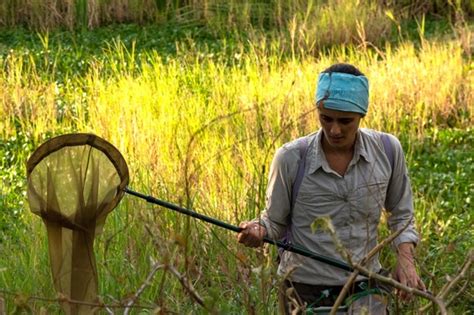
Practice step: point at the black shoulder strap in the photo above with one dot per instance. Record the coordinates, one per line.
(303, 146)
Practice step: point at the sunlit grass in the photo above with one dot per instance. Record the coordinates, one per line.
(187, 119)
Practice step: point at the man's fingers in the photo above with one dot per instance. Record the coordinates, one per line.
(242, 236)
(251, 234)
(421, 285)
(244, 224)
(412, 281)
(402, 278)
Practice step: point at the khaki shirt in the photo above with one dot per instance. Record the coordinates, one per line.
(353, 202)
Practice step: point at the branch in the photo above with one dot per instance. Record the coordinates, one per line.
(448, 286)
(294, 300)
(399, 286)
(364, 260)
(142, 288)
(108, 310)
(466, 265)
(343, 293)
(458, 293)
(187, 285)
(64, 299)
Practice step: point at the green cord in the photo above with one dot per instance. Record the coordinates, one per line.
(310, 310)
(354, 297)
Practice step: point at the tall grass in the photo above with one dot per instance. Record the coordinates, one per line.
(166, 116)
(74, 13)
(311, 24)
(200, 130)
(425, 87)
(254, 13)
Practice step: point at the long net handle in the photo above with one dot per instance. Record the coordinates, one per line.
(289, 247)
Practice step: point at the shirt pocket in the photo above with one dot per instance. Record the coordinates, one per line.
(368, 201)
(319, 203)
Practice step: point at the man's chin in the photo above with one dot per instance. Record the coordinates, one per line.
(337, 142)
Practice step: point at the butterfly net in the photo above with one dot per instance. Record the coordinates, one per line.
(74, 182)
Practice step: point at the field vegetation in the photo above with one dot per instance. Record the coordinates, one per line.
(197, 95)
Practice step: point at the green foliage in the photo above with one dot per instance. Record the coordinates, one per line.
(445, 164)
(442, 169)
(13, 153)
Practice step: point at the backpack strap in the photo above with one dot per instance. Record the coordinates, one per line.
(388, 148)
(303, 146)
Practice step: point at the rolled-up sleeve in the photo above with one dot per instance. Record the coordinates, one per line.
(275, 217)
(399, 200)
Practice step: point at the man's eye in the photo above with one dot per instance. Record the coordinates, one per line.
(327, 119)
(346, 121)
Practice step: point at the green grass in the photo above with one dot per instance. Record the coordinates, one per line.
(442, 169)
(198, 117)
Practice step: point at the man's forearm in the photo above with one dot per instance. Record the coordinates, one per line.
(407, 248)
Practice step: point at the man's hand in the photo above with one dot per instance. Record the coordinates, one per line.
(252, 234)
(405, 271)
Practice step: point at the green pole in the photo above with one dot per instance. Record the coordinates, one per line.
(290, 247)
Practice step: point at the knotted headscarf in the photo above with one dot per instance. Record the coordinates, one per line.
(343, 92)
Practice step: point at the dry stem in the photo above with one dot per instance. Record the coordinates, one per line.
(450, 285)
(142, 288)
(2, 306)
(366, 272)
(187, 285)
(458, 293)
(62, 298)
(364, 260)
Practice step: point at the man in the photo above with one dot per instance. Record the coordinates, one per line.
(349, 176)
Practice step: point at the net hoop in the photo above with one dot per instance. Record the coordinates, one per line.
(75, 139)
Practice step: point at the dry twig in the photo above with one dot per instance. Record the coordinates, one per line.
(187, 285)
(142, 288)
(451, 284)
(392, 282)
(64, 299)
(448, 286)
(364, 260)
(458, 293)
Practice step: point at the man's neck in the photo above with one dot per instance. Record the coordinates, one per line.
(338, 158)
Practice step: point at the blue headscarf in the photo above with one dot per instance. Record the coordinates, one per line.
(343, 92)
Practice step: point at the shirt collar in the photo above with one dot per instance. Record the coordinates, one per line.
(361, 147)
(317, 158)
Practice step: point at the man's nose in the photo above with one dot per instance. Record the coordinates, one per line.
(335, 129)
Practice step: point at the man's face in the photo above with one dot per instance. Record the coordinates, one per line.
(340, 128)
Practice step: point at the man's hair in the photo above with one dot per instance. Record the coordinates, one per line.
(343, 68)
